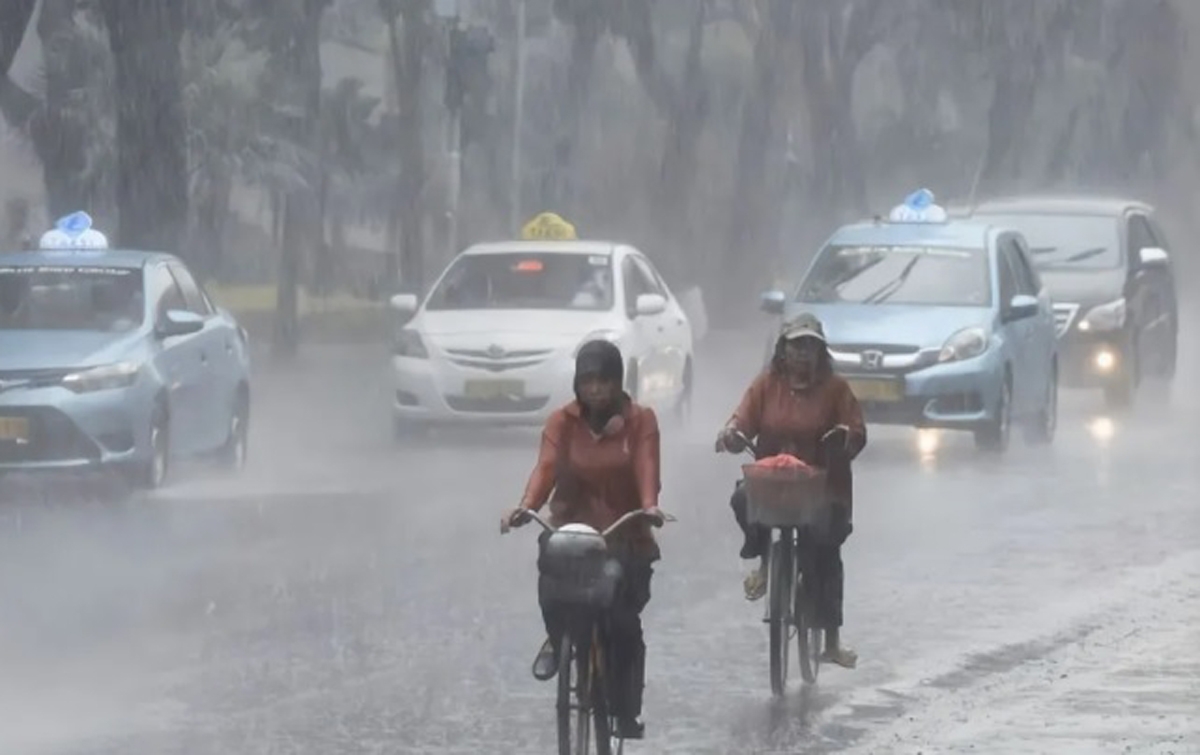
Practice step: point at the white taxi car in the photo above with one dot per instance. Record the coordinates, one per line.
(495, 340)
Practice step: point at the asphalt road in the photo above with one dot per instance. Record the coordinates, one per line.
(344, 596)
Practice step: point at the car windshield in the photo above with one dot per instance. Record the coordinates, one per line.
(70, 298)
(916, 275)
(1057, 242)
(526, 281)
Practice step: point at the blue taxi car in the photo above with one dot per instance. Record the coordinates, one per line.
(936, 323)
(114, 359)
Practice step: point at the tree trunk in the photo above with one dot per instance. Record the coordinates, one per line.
(15, 103)
(301, 59)
(746, 237)
(563, 186)
(685, 124)
(59, 139)
(152, 197)
(408, 54)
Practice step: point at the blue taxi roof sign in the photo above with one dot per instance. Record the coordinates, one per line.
(73, 232)
(918, 207)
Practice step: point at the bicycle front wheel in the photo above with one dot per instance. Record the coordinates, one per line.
(573, 688)
(808, 637)
(781, 580)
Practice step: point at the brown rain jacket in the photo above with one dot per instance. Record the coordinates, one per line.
(597, 478)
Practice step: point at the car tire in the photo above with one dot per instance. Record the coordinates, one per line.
(406, 432)
(237, 446)
(631, 380)
(994, 437)
(681, 413)
(152, 474)
(1042, 428)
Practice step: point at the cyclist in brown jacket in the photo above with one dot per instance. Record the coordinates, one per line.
(600, 458)
(800, 406)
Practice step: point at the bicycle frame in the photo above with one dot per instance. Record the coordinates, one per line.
(586, 629)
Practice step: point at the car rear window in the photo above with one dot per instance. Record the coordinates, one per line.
(526, 281)
(909, 274)
(1068, 242)
(55, 297)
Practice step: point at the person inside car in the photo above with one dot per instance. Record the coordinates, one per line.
(799, 406)
(600, 458)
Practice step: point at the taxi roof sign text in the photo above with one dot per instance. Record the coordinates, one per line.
(548, 226)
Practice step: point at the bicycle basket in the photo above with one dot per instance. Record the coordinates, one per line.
(576, 569)
(786, 497)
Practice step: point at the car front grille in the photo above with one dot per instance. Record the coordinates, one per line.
(498, 361)
(1064, 317)
(53, 437)
(13, 379)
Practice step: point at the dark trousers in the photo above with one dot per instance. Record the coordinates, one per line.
(626, 646)
(820, 559)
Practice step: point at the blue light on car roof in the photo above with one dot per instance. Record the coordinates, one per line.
(73, 232)
(918, 207)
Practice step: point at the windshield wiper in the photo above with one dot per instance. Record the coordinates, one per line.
(1086, 254)
(1043, 250)
(891, 287)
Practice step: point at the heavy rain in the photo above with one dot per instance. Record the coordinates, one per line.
(262, 516)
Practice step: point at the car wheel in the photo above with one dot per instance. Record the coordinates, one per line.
(681, 414)
(994, 436)
(1045, 423)
(1120, 393)
(405, 431)
(631, 380)
(237, 446)
(152, 473)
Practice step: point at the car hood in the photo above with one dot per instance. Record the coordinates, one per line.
(61, 349)
(549, 324)
(1085, 287)
(893, 324)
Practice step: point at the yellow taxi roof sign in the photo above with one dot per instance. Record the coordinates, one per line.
(548, 226)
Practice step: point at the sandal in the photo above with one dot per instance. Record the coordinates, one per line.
(843, 656)
(755, 584)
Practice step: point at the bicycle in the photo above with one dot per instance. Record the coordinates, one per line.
(788, 502)
(583, 578)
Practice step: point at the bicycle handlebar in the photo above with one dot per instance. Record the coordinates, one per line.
(626, 517)
(748, 446)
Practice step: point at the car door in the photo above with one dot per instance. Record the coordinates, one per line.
(1017, 332)
(1043, 338)
(178, 362)
(1149, 293)
(646, 336)
(670, 335)
(215, 344)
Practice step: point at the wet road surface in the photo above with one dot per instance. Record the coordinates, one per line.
(345, 596)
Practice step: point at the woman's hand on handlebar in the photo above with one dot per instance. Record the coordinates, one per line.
(656, 516)
(729, 440)
(513, 518)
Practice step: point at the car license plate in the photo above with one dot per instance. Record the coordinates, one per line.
(493, 389)
(877, 390)
(14, 428)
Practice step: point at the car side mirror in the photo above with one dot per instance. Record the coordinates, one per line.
(1021, 307)
(649, 305)
(179, 322)
(773, 302)
(404, 304)
(1153, 256)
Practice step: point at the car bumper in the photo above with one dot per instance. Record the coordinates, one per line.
(1093, 360)
(954, 396)
(436, 391)
(53, 429)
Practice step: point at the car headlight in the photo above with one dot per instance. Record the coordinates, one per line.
(1110, 316)
(409, 344)
(965, 344)
(611, 336)
(108, 377)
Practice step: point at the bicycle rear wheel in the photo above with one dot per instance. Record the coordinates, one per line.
(780, 590)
